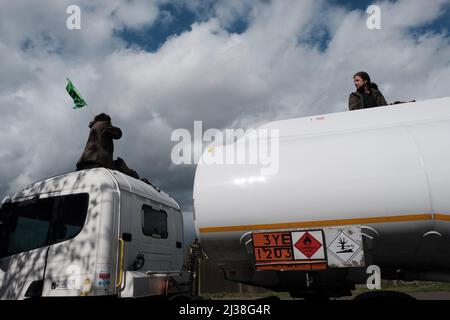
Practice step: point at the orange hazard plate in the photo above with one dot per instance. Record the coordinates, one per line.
(289, 250)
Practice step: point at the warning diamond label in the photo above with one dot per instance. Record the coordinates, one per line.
(308, 245)
(345, 247)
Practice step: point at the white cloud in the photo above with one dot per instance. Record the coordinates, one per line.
(411, 13)
(228, 12)
(272, 70)
(136, 13)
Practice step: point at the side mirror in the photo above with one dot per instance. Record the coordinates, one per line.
(5, 209)
(5, 200)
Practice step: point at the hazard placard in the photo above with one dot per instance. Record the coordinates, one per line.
(308, 245)
(345, 247)
(290, 250)
(273, 246)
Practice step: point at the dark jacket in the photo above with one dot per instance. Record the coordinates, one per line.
(356, 101)
(99, 147)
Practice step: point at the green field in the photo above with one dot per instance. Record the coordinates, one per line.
(406, 287)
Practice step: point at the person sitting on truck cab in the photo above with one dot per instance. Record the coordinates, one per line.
(99, 147)
(367, 94)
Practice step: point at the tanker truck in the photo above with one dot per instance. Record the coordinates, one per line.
(350, 190)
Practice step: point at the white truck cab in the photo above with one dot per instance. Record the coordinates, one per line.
(94, 232)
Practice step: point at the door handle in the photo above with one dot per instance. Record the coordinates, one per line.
(121, 258)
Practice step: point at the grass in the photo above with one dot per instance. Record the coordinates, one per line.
(401, 286)
(408, 287)
(237, 295)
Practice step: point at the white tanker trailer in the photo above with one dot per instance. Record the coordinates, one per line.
(352, 189)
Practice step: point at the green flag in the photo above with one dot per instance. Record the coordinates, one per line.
(77, 98)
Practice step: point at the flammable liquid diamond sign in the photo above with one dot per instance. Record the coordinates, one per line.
(308, 245)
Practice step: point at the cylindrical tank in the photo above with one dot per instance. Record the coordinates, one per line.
(386, 169)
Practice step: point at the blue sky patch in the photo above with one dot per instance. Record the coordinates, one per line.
(173, 20)
(440, 25)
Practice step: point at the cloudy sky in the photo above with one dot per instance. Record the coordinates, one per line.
(159, 65)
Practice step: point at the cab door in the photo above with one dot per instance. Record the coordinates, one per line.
(29, 228)
(23, 249)
(158, 239)
(151, 243)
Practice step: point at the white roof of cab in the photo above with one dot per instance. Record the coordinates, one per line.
(95, 178)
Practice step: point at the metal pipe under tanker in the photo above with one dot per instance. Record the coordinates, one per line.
(385, 169)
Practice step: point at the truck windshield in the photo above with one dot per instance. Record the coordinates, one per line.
(36, 223)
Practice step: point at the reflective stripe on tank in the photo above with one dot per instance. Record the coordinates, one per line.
(327, 223)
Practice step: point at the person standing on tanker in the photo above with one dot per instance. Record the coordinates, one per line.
(99, 147)
(367, 94)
